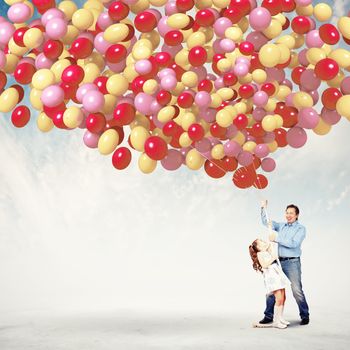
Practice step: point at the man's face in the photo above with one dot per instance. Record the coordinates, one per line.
(291, 215)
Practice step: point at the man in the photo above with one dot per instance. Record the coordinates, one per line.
(289, 237)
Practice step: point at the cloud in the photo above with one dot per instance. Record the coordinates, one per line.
(335, 202)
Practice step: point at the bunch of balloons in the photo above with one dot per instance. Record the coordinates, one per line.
(219, 84)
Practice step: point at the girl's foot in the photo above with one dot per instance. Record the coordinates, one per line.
(283, 321)
(279, 325)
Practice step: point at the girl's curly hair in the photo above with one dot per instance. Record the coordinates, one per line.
(253, 251)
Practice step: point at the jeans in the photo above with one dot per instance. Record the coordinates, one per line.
(292, 269)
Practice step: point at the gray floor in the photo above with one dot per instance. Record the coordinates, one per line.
(135, 330)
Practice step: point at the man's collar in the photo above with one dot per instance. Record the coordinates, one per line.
(292, 224)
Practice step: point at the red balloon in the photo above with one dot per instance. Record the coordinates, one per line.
(326, 69)
(117, 10)
(234, 14)
(246, 48)
(156, 148)
(274, 6)
(195, 132)
(18, 36)
(296, 74)
(301, 24)
(58, 120)
(281, 137)
(260, 182)
(184, 5)
(269, 88)
(173, 38)
(217, 131)
(116, 53)
(24, 73)
(163, 97)
(205, 85)
(329, 34)
(205, 18)
(3, 80)
(20, 91)
(288, 5)
(70, 91)
(170, 128)
(81, 48)
(330, 97)
(124, 113)
(101, 83)
(20, 116)
(230, 163)
(243, 178)
(257, 130)
(163, 58)
(95, 122)
(121, 158)
(243, 5)
(241, 121)
(73, 74)
(145, 21)
(214, 168)
(52, 49)
(197, 56)
(246, 91)
(185, 100)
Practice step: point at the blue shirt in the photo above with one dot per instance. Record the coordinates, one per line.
(289, 238)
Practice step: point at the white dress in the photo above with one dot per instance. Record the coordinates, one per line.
(274, 277)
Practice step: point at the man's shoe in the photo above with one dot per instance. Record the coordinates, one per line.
(266, 320)
(304, 321)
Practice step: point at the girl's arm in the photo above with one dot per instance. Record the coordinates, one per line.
(266, 259)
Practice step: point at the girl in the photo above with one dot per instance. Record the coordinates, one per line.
(264, 256)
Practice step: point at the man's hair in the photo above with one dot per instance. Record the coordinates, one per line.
(295, 208)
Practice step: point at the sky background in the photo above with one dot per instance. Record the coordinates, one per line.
(76, 233)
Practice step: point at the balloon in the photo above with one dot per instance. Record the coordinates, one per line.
(192, 82)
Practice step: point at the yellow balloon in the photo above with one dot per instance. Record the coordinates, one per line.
(8, 100)
(343, 106)
(82, 19)
(322, 12)
(217, 152)
(138, 137)
(269, 123)
(68, 7)
(249, 146)
(44, 123)
(185, 140)
(73, 117)
(108, 141)
(302, 100)
(194, 160)
(178, 21)
(35, 99)
(166, 114)
(117, 84)
(344, 26)
(43, 78)
(33, 38)
(269, 55)
(224, 118)
(322, 128)
(116, 33)
(341, 56)
(146, 164)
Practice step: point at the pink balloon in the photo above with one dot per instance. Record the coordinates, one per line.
(330, 117)
(309, 80)
(260, 98)
(313, 39)
(268, 164)
(143, 103)
(93, 101)
(19, 13)
(56, 28)
(260, 18)
(52, 96)
(245, 158)
(203, 145)
(261, 150)
(296, 137)
(308, 118)
(6, 31)
(220, 26)
(232, 148)
(90, 139)
(83, 89)
(173, 160)
(202, 99)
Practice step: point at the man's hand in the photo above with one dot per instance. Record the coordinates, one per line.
(272, 236)
(264, 203)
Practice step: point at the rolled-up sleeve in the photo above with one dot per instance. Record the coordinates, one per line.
(292, 241)
(275, 225)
